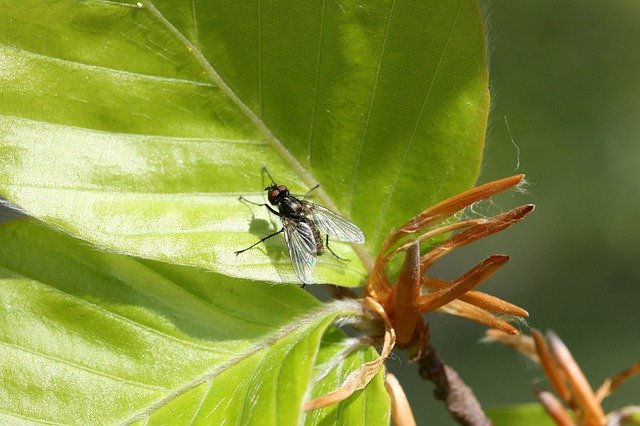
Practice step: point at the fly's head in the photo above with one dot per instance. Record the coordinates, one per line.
(275, 193)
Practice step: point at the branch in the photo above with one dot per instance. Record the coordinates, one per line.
(459, 399)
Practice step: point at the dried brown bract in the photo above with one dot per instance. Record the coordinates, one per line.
(576, 403)
(416, 292)
(397, 305)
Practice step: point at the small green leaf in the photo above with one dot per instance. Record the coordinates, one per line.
(336, 359)
(92, 337)
(136, 126)
(520, 415)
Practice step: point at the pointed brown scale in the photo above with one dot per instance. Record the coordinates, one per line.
(450, 206)
(463, 284)
(401, 413)
(586, 399)
(456, 226)
(465, 310)
(554, 408)
(614, 382)
(487, 227)
(522, 343)
(406, 313)
(480, 299)
(458, 202)
(494, 304)
(378, 286)
(554, 373)
(485, 269)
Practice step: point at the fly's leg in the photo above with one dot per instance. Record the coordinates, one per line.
(329, 248)
(263, 239)
(244, 200)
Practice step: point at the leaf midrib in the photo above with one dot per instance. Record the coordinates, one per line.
(336, 309)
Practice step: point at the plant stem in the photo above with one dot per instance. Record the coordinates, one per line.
(459, 399)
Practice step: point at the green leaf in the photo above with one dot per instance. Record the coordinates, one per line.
(336, 359)
(136, 126)
(521, 415)
(89, 337)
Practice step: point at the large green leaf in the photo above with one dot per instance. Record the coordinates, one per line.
(90, 337)
(137, 125)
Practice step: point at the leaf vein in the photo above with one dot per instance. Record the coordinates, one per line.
(260, 101)
(315, 84)
(209, 305)
(116, 3)
(385, 206)
(365, 129)
(201, 402)
(196, 35)
(115, 316)
(84, 66)
(30, 418)
(88, 369)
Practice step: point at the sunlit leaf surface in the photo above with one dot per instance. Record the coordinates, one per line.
(136, 126)
(89, 337)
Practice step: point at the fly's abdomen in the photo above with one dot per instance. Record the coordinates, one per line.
(318, 238)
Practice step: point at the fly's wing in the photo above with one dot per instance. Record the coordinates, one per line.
(302, 248)
(335, 225)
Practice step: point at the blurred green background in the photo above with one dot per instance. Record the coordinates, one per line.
(567, 77)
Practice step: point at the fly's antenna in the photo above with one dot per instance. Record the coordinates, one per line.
(264, 170)
(310, 191)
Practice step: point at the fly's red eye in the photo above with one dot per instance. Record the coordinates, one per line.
(273, 194)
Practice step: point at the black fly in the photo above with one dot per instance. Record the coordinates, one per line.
(301, 224)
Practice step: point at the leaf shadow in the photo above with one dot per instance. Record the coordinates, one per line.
(76, 285)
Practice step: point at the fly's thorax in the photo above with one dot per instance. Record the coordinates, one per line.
(290, 206)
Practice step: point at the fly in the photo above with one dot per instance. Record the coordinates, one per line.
(302, 222)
